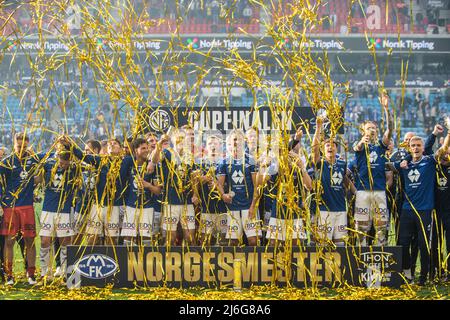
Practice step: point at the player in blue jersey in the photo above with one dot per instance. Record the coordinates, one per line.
(213, 217)
(60, 178)
(331, 184)
(103, 222)
(138, 217)
(176, 167)
(419, 176)
(107, 186)
(113, 207)
(287, 186)
(85, 197)
(17, 174)
(441, 224)
(255, 148)
(156, 199)
(370, 203)
(441, 218)
(239, 171)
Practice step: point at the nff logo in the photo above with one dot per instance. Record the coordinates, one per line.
(97, 266)
(159, 120)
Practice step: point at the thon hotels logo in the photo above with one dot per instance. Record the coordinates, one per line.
(376, 268)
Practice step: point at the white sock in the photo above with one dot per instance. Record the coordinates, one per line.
(128, 243)
(407, 273)
(381, 237)
(362, 241)
(45, 259)
(63, 259)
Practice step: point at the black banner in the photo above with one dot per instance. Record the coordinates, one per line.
(225, 119)
(219, 266)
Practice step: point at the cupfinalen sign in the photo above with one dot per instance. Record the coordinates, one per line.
(224, 119)
(216, 267)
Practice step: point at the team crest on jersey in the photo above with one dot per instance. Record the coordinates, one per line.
(182, 171)
(442, 182)
(414, 175)
(237, 176)
(373, 156)
(336, 179)
(57, 180)
(23, 175)
(90, 182)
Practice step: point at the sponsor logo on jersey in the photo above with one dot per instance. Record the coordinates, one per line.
(57, 180)
(23, 174)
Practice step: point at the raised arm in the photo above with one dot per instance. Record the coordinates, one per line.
(297, 138)
(442, 151)
(70, 145)
(316, 140)
(297, 161)
(431, 139)
(257, 193)
(384, 100)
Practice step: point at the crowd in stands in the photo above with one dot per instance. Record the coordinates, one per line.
(228, 16)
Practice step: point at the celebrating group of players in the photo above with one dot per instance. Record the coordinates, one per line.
(256, 191)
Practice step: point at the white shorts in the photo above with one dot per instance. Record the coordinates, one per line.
(332, 224)
(137, 221)
(213, 223)
(78, 222)
(156, 222)
(370, 205)
(55, 224)
(267, 216)
(281, 229)
(103, 221)
(238, 222)
(172, 214)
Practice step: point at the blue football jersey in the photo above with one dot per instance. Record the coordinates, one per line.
(370, 167)
(176, 178)
(17, 175)
(420, 182)
(331, 177)
(238, 173)
(210, 198)
(60, 187)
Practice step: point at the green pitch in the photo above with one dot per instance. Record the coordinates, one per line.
(58, 290)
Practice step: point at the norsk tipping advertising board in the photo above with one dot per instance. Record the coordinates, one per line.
(219, 266)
